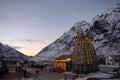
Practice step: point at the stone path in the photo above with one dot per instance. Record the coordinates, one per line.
(42, 76)
(12, 76)
(51, 76)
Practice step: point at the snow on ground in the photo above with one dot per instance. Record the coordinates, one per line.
(93, 75)
(96, 75)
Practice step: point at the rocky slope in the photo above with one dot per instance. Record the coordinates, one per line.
(104, 29)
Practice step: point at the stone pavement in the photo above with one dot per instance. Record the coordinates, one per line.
(42, 76)
(12, 76)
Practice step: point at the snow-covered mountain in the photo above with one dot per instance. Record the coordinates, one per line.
(64, 44)
(104, 29)
(8, 51)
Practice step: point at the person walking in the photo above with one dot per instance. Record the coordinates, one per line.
(24, 72)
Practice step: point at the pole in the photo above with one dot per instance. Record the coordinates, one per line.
(65, 76)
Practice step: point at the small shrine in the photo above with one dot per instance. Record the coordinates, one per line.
(63, 63)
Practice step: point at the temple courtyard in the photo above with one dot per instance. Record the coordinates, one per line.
(46, 75)
(42, 76)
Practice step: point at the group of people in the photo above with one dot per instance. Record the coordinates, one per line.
(40, 68)
(46, 68)
(3, 71)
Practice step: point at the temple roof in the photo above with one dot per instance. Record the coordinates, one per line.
(63, 57)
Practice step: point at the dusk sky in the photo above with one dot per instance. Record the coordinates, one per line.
(30, 25)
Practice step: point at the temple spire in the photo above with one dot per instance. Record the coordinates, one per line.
(84, 56)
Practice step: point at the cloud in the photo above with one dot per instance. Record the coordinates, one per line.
(10, 40)
(34, 41)
(17, 47)
(24, 43)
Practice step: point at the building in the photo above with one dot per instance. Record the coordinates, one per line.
(84, 56)
(31, 63)
(113, 60)
(3, 67)
(101, 59)
(62, 63)
(13, 63)
(1, 61)
(45, 63)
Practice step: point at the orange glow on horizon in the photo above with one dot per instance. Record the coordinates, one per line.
(29, 52)
(26, 47)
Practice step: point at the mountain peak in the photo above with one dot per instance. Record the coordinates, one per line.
(64, 44)
(104, 29)
(83, 26)
(8, 51)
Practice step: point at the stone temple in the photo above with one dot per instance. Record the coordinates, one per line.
(84, 56)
